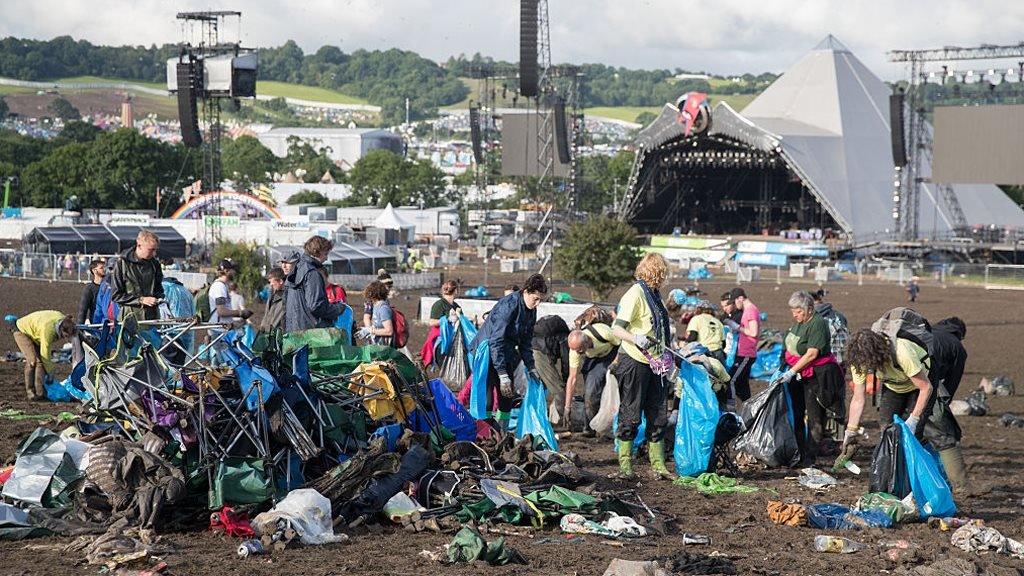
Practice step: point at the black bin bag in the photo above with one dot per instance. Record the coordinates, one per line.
(888, 466)
(769, 435)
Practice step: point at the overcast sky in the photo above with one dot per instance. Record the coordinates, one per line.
(731, 36)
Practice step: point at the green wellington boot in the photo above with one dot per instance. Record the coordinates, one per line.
(656, 454)
(625, 451)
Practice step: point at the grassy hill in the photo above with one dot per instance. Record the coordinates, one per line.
(313, 93)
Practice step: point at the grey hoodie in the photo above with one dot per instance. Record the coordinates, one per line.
(306, 304)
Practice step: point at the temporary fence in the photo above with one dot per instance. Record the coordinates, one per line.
(52, 267)
(1004, 277)
(422, 281)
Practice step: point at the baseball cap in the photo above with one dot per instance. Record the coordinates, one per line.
(227, 264)
(737, 292)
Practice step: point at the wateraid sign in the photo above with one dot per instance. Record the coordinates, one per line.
(290, 224)
(128, 220)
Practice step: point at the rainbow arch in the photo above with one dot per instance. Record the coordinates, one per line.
(243, 203)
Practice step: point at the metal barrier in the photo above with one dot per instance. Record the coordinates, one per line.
(1004, 277)
(50, 267)
(424, 281)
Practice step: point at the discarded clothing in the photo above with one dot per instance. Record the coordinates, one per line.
(577, 524)
(469, 546)
(974, 538)
(692, 563)
(711, 483)
(787, 514)
(138, 484)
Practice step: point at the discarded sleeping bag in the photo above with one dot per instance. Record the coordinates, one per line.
(768, 361)
(769, 437)
(931, 491)
(696, 423)
(533, 415)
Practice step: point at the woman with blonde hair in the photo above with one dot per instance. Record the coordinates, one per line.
(643, 324)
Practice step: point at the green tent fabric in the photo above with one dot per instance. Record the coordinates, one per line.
(485, 509)
(562, 298)
(240, 481)
(469, 546)
(329, 356)
(711, 483)
(562, 500)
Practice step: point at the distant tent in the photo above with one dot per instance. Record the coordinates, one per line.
(100, 239)
(390, 228)
(349, 257)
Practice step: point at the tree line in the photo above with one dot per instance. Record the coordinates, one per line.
(122, 169)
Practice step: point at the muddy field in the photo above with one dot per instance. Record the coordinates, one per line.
(737, 524)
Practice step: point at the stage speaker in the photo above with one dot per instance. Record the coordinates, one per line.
(528, 48)
(561, 131)
(474, 132)
(899, 148)
(187, 115)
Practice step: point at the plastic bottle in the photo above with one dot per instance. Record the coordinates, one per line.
(836, 544)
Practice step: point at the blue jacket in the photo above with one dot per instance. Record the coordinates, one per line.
(509, 329)
(305, 299)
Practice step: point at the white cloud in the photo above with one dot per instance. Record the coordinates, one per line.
(727, 36)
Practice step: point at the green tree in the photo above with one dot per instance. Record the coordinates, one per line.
(600, 252)
(307, 197)
(603, 180)
(63, 173)
(78, 131)
(247, 161)
(63, 109)
(646, 117)
(381, 176)
(4, 110)
(130, 167)
(316, 162)
(250, 263)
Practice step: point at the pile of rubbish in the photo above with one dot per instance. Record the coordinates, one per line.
(304, 436)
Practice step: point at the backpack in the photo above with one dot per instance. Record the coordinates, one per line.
(401, 327)
(839, 331)
(202, 303)
(905, 323)
(106, 308)
(335, 293)
(593, 315)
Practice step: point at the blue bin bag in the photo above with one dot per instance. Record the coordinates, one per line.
(248, 335)
(930, 489)
(731, 345)
(344, 321)
(767, 363)
(445, 338)
(55, 391)
(73, 383)
(697, 421)
(838, 517)
(533, 415)
(478, 292)
(479, 363)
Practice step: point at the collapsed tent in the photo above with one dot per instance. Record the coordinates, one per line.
(813, 150)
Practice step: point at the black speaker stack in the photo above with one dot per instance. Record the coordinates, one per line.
(899, 148)
(188, 83)
(528, 48)
(474, 132)
(561, 131)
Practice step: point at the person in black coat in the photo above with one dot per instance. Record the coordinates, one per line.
(949, 357)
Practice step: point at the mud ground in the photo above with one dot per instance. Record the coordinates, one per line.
(737, 524)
